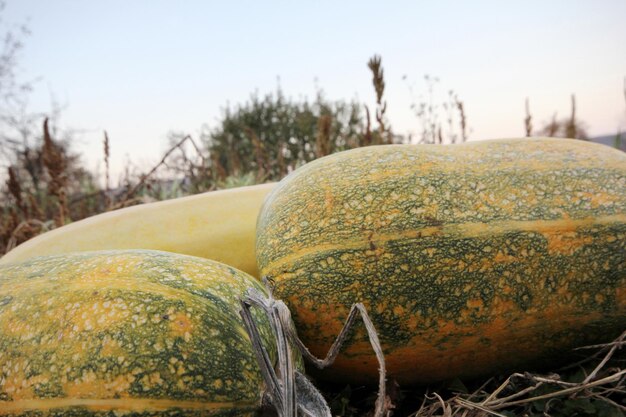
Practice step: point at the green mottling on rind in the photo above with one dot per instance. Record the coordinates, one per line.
(427, 288)
(472, 187)
(149, 291)
(338, 207)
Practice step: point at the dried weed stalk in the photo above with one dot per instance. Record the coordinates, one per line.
(34, 209)
(430, 111)
(56, 165)
(528, 125)
(15, 189)
(323, 142)
(385, 135)
(571, 128)
(462, 119)
(107, 155)
(367, 136)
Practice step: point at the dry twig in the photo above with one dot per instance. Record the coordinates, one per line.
(162, 162)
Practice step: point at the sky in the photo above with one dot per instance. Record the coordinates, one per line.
(143, 68)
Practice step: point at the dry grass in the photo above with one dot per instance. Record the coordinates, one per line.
(441, 121)
(570, 127)
(37, 195)
(592, 386)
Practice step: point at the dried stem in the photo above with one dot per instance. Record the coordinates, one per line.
(528, 125)
(367, 137)
(374, 64)
(381, 406)
(107, 154)
(463, 119)
(322, 145)
(280, 319)
(571, 130)
(15, 189)
(56, 165)
(608, 356)
(289, 392)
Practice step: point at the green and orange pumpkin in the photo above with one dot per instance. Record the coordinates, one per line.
(135, 332)
(470, 258)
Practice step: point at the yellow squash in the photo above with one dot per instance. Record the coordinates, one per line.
(218, 225)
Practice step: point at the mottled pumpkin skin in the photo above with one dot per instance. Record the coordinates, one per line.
(136, 333)
(471, 258)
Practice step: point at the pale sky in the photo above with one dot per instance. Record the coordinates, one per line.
(142, 68)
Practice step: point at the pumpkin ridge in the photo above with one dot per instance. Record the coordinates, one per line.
(456, 230)
(121, 284)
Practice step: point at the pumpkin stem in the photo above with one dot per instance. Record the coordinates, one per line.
(283, 392)
(289, 392)
(382, 402)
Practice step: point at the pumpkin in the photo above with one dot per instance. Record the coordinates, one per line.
(133, 332)
(218, 225)
(470, 259)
